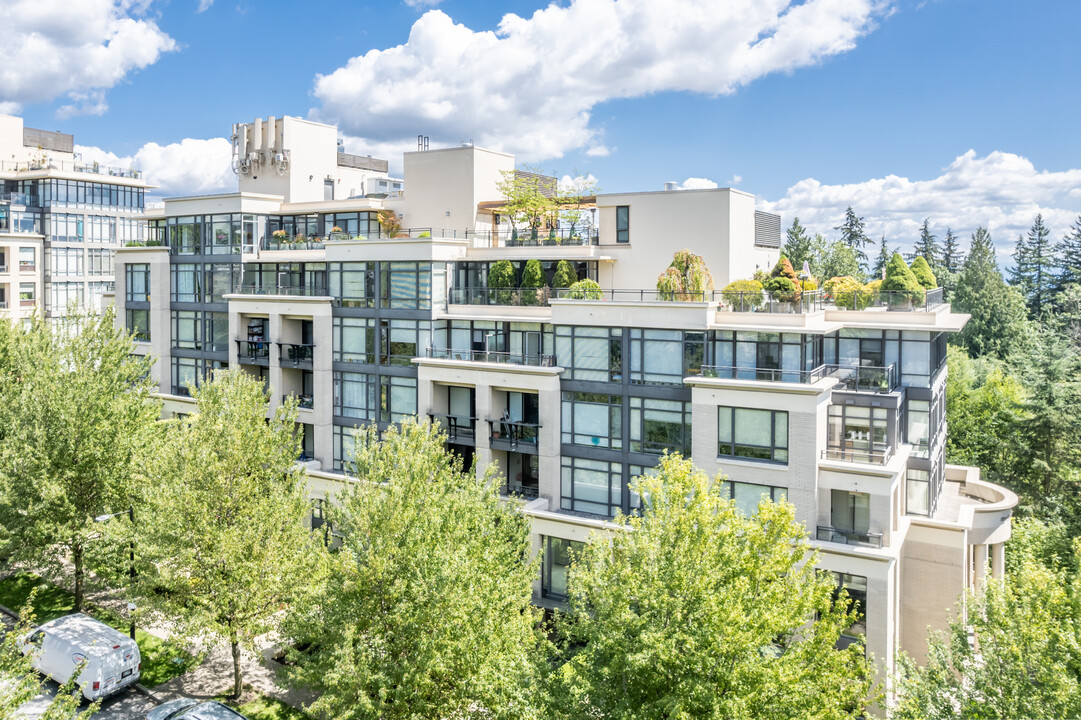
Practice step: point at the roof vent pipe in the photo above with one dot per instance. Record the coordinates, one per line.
(671, 186)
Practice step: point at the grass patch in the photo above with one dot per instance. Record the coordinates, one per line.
(262, 707)
(163, 660)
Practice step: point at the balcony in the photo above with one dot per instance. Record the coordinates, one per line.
(557, 237)
(3, 304)
(296, 355)
(731, 372)
(304, 402)
(827, 533)
(292, 291)
(514, 435)
(27, 302)
(461, 430)
(865, 378)
(252, 352)
(3, 267)
(505, 358)
(296, 243)
(91, 168)
(878, 454)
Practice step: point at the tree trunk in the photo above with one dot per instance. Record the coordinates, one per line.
(238, 680)
(77, 559)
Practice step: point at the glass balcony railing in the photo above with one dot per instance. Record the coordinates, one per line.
(827, 533)
(865, 378)
(506, 358)
(730, 372)
(298, 291)
(877, 454)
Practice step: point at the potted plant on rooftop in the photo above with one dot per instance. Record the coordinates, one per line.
(783, 285)
(901, 285)
(687, 279)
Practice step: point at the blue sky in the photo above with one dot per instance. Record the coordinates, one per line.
(964, 111)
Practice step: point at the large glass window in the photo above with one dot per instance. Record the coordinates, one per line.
(623, 223)
(344, 445)
(99, 262)
(354, 395)
(752, 434)
(406, 285)
(221, 279)
(856, 587)
(63, 294)
(749, 496)
(185, 234)
(403, 340)
(590, 353)
(217, 332)
(138, 323)
(850, 511)
(858, 433)
(659, 425)
(918, 492)
(665, 356)
(354, 340)
(185, 374)
(397, 398)
(187, 283)
(27, 260)
(558, 556)
(591, 486)
(65, 261)
(187, 329)
(353, 283)
(224, 235)
(919, 427)
(137, 282)
(593, 420)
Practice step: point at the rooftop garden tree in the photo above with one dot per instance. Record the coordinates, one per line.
(924, 275)
(687, 278)
(743, 294)
(502, 275)
(565, 275)
(585, 289)
(900, 282)
(422, 615)
(783, 283)
(532, 281)
(76, 412)
(226, 527)
(571, 199)
(390, 223)
(528, 197)
(702, 612)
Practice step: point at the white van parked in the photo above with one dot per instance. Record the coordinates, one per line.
(59, 647)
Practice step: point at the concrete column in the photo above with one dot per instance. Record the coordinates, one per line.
(979, 556)
(998, 560)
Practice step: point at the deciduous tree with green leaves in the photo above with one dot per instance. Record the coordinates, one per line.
(529, 196)
(696, 611)
(426, 610)
(830, 259)
(226, 524)
(76, 410)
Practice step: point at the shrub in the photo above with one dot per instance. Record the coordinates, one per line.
(783, 282)
(585, 290)
(741, 294)
(425, 234)
(924, 276)
(388, 220)
(532, 279)
(501, 275)
(565, 275)
(847, 292)
(900, 282)
(810, 285)
(687, 278)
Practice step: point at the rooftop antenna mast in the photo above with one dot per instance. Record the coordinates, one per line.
(422, 143)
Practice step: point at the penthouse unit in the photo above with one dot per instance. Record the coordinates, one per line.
(835, 406)
(61, 222)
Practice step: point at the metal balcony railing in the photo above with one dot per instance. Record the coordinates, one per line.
(295, 354)
(795, 302)
(897, 300)
(827, 533)
(251, 351)
(459, 428)
(295, 243)
(305, 402)
(878, 454)
(506, 358)
(514, 434)
(528, 491)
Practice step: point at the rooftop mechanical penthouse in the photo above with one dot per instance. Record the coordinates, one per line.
(835, 406)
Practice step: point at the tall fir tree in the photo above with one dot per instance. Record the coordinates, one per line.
(1069, 261)
(927, 246)
(952, 257)
(1034, 267)
(881, 260)
(854, 235)
(797, 246)
(998, 310)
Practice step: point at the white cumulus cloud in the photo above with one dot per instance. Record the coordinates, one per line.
(56, 48)
(530, 86)
(1001, 191)
(697, 183)
(188, 167)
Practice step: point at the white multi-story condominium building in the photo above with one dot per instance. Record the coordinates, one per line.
(61, 222)
(839, 411)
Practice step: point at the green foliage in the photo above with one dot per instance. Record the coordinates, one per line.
(1033, 272)
(924, 276)
(226, 523)
(691, 280)
(529, 197)
(881, 260)
(900, 282)
(571, 198)
(952, 257)
(998, 311)
(502, 275)
(1069, 260)
(854, 237)
(847, 292)
(926, 248)
(584, 290)
(1026, 660)
(19, 683)
(741, 294)
(426, 610)
(532, 280)
(809, 285)
(389, 222)
(702, 612)
(834, 259)
(783, 283)
(797, 246)
(76, 411)
(565, 275)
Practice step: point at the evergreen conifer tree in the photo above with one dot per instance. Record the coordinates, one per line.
(1069, 259)
(952, 257)
(881, 260)
(853, 234)
(927, 246)
(1034, 266)
(997, 310)
(797, 246)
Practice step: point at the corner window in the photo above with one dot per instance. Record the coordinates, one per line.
(752, 434)
(623, 223)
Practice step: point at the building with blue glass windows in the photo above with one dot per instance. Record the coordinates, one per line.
(369, 298)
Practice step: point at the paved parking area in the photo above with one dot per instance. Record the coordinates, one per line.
(128, 705)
